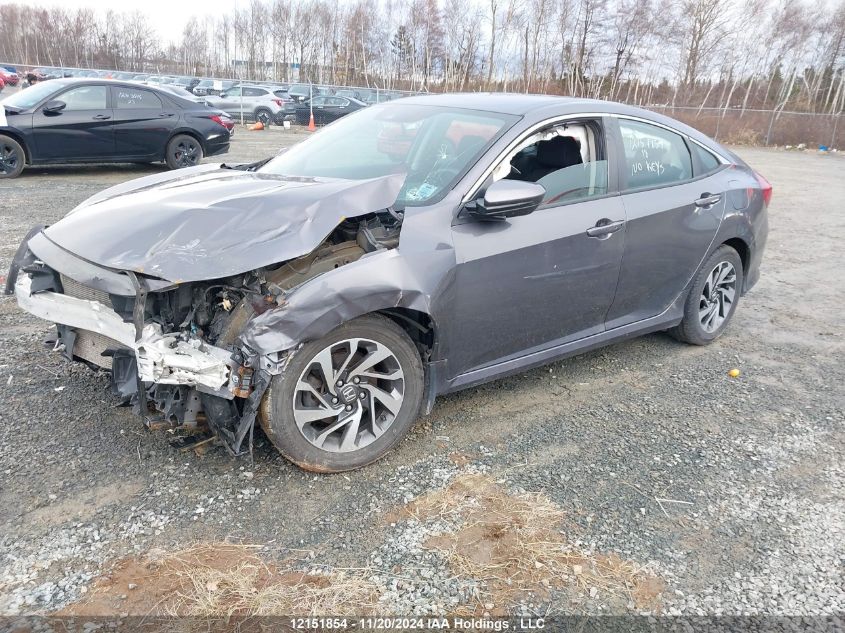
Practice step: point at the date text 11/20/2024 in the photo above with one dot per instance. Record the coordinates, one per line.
(418, 623)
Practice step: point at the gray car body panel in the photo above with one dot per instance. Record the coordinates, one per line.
(473, 279)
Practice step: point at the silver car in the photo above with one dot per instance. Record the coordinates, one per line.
(256, 103)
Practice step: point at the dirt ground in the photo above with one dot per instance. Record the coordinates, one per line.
(654, 481)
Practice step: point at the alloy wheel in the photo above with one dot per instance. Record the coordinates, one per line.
(717, 297)
(8, 158)
(186, 153)
(348, 395)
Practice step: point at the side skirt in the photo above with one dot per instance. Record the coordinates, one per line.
(671, 317)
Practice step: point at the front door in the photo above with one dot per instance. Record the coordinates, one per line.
(536, 281)
(83, 129)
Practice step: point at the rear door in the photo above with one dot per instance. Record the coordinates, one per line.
(336, 107)
(84, 129)
(673, 210)
(254, 98)
(318, 107)
(143, 122)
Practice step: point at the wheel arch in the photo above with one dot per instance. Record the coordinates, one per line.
(418, 325)
(187, 132)
(741, 247)
(20, 141)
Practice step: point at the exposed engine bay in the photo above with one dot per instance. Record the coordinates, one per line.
(174, 350)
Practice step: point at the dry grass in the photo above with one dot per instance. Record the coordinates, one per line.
(213, 583)
(253, 588)
(516, 546)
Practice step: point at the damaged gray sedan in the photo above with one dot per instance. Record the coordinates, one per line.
(409, 250)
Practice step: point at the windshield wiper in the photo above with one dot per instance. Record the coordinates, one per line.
(248, 166)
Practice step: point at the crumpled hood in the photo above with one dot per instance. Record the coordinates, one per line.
(206, 222)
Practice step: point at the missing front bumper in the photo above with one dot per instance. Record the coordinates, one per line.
(162, 358)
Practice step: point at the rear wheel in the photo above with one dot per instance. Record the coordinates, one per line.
(12, 158)
(713, 298)
(346, 399)
(183, 151)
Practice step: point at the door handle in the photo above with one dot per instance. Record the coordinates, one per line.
(165, 114)
(707, 200)
(102, 117)
(605, 228)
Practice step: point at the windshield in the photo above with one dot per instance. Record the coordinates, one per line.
(30, 96)
(432, 145)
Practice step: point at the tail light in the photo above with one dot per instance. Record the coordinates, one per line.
(224, 121)
(279, 102)
(765, 187)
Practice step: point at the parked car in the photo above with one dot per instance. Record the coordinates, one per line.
(334, 296)
(10, 78)
(301, 92)
(348, 92)
(288, 112)
(256, 103)
(105, 121)
(34, 76)
(187, 83)
(326, 109)
(212, 87)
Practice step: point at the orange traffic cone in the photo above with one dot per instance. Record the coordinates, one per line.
(257, 126)
(311, 126)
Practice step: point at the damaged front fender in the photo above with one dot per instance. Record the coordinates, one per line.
(379, 281)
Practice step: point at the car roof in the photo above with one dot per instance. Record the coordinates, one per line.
(539, 107)
(503, 103)
(128, 83)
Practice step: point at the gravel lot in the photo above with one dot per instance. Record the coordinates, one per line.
(729, 493)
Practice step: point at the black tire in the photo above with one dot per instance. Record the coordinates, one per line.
(277, 411)
(183, 150)
(692, 329)
(12, 157)
(264, 116)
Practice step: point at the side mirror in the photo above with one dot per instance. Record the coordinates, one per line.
(507, 199)
(54, 107)
(223, 94)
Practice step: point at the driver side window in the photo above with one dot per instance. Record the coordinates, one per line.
(567, 159)
(85, 98)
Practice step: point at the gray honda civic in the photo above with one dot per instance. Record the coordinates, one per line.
(411, 249)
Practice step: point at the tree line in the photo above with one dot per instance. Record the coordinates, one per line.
(786, 54)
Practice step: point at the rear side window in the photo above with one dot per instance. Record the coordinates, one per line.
(654, 156)
(134, 99)
(707, 162)
(254, 92)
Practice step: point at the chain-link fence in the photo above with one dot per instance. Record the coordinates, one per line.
(728, 125)
(735, 126)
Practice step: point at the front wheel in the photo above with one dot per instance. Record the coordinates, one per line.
(345, 400)
(12, 158)
(183, 151)
(713, 298)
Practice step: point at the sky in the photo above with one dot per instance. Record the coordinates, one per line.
(168, 17)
